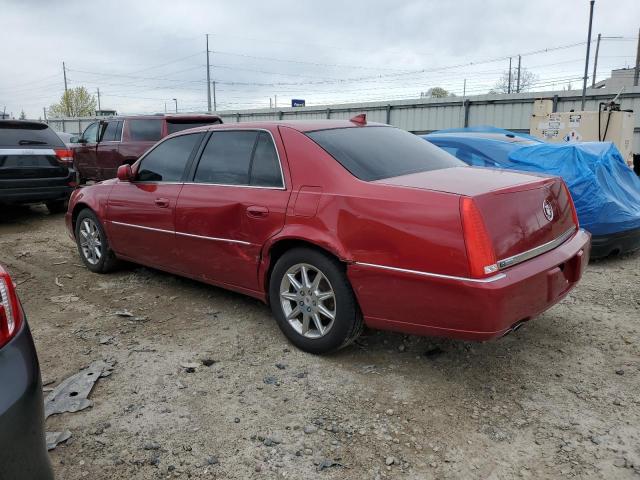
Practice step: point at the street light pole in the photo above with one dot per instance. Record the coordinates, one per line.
(586, 60)
(176, 100)
(208, 79)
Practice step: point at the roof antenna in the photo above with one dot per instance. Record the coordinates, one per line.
(359, 119)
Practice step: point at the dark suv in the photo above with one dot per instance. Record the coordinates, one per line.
(107, 144)
(35, 165)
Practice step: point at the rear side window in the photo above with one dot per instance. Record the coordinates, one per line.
(167, 161)
(226, 158)
(265, 166)
(373, 153)
(24, 134)
(110, 132)
(145, 130)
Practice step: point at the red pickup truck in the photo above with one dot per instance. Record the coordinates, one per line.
(109, 143)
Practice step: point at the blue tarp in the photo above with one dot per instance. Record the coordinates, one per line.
(606, 192)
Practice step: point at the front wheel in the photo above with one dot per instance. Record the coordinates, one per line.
(313, 302)
(93, 244)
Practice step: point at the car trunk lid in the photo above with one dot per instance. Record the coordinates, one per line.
(25, 163)
(524, 214)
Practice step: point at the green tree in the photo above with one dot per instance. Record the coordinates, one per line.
(436, 92)
(75, 102)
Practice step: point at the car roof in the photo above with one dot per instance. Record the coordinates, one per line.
(167, 116)
(24, 124)
(299, 125)
(497, 137)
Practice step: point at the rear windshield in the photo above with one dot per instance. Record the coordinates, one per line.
(178, 127)
(145, 130)
(373, 153)
(25, 134)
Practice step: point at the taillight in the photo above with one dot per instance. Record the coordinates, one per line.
(64, 156)
(574, 213)
(480, 253)
(10, 312)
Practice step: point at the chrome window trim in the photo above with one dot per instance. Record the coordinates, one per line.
(27, 151)
(434, 275)
(240, 129)
(534, 252)
(161, 230)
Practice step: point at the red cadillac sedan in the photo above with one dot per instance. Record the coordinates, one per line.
(337, 224)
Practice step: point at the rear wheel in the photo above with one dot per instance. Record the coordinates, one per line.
(93, 244)
(313, 302)
(57, 206)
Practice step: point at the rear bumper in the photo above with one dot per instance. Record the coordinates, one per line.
(23, 452)
(36, 194)
(615, 243)
(424, 304)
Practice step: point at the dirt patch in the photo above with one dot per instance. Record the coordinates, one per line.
(206, 386)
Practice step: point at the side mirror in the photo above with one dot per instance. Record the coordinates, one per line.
(81, 140)
(74, 139)
(125, 174)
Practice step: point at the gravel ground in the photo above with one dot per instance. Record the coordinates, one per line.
(206, 386)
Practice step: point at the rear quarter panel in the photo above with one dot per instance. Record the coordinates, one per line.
(366, 222)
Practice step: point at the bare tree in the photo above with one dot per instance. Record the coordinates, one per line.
(527, 80)
(23, 116)
(75, 102)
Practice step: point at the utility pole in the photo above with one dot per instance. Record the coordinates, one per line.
(66, 99)
(275, 101)
(44, 110)
(165, 107)
(98, 99)
(518, 81)
(464, 94)
(176, 100)
(595, 62)
(215, 108)
(637, 73)
(270, 102)
(586, 60)
(208, 79)
(509, 86)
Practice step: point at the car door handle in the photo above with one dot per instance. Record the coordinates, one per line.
(256, 211)
(162, 202)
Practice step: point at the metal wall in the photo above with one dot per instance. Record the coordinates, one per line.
(425, 115)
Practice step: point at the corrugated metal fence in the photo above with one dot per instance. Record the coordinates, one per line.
(425, 115)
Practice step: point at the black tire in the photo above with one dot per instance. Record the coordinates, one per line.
(57, 206)
(107, 261)
(347, 324)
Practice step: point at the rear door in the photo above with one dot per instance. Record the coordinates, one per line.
(108, 157)
(85, 154)
(236, 201)
(141, 213)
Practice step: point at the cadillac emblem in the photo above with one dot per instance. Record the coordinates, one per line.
(547, 209)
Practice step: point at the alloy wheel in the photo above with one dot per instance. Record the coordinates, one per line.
(90, 241)
(308, 300)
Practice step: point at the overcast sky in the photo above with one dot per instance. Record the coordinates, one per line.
(142, 54)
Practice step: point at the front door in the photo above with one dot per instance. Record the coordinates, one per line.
(85, 153)
(141, 213)
(108, 157)
(236, 201)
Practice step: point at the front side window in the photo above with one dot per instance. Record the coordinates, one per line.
(226, 158)
(167, 161)
(145, 130)
(91, 133)
(374, 153)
